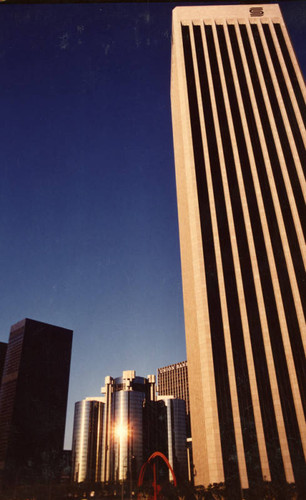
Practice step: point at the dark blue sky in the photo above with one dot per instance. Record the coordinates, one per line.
(88, 218)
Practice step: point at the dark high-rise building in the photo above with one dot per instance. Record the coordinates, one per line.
(33, 400)
(176, 438)
(238, 110)
(3, 349)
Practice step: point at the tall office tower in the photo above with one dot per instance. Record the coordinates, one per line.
(87, 439)
(173, 380)
(3, 349)
(33, 400)
(122, 455)
(238, 113)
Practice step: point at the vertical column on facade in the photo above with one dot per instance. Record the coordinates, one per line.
(233, 410)
(107, 433)
(266, 35)
(179, 382)
(290, 213)
(186, 388)
(300, 123)
(199, 348)
(278, 140)
(289, 178)
(291, 106)
(254, 265)
(292, 143)
(99, 450)
(217, 245)
(249, 260)
(293, 69)
(82, 448)
(284, 341)
(272, 24)
(214, 464)
(232, 198)
(263, 223)
(253, 290)
(282, 161)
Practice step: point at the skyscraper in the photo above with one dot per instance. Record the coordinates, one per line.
(173, 380)
(122, 447)
(33, 400)
(3, 349)
(238, 115)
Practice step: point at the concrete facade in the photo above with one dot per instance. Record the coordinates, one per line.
(238, 111)
(173, 380)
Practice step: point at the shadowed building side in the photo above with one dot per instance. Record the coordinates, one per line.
(176, 439)
(3, 349)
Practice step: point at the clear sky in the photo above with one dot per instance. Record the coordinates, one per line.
(88, 218)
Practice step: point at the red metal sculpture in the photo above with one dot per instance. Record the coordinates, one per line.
(143, 468)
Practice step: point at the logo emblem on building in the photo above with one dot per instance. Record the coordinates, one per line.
(256, 11)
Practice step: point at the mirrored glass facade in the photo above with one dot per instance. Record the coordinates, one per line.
(112, 439)
(176, 436)
(87, 439)
(128, 432)
(125, 396)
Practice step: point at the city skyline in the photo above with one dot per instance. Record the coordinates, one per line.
(88, 200)
(114, 435)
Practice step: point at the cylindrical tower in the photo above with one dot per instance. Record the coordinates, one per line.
(128, 432)
(87, 438)
(123, 425)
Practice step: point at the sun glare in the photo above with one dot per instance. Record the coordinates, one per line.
(121, 431)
